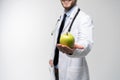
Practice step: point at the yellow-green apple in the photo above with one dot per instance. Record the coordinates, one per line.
(67, 39)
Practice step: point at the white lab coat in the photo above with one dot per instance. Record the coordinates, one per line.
(74, 67)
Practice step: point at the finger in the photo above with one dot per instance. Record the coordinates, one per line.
(68, 50)
(78, 46)
(51, 63)
(61, 49)
(58, 45)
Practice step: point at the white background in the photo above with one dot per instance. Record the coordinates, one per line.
(25, 40)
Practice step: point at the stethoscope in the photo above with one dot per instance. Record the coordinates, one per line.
(67, 25)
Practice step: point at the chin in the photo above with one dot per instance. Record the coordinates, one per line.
(67, 8)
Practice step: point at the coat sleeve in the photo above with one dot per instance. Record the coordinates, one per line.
(84, 37)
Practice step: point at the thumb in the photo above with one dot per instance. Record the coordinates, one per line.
(77, 46)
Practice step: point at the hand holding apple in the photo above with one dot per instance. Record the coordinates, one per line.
(67, 44)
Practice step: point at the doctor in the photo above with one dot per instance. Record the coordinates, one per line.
(71, 63)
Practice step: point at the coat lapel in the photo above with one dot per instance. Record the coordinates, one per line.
(68, 22)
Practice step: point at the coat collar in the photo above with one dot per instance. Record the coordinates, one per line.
(72, 11)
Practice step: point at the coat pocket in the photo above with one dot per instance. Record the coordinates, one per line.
(76, 62)
(74, 73)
